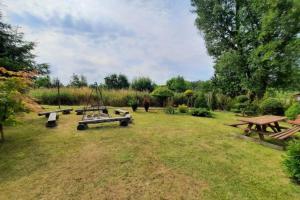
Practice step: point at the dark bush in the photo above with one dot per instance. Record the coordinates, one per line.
(242, 98)
(200, 101)
(179, 98)
(201, 112)
(292, 161)
(293, 111)
(272, 106)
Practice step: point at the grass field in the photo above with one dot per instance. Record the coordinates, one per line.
(158, 157)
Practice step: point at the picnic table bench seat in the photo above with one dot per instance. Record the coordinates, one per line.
(285, 134)
(237, 124)
(81, 110)
(52, 119)
(64, 111)
(121, 112)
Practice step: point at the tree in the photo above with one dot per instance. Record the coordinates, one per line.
(143, 84)
(262, 34)
(115, 81)
(162, 93)
(16, 53)
(177, 84)
(78, 81)
(43, 81)
(12, 90)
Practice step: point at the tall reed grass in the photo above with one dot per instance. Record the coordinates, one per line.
(81, 96)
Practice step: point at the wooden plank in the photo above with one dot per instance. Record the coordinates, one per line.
(120, 111)
(237, 124)
(91, 109)
(263, 120)
(287, 133)
(103, 120)
(52, 120)
(49, 112)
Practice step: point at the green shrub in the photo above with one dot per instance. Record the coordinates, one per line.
(242, 98)
(223, 102)
(179, 98)
(200, 101)
(272, 106)
(201, 112)
(293, 111)
(183, 108)
(162, 93)
(292, 161)
(169, 110)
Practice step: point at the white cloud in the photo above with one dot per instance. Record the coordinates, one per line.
(155, 38)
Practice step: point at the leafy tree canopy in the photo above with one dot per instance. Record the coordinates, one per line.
(78, 81)
(177, 84)
(115, 81)
(16, 53)
(143, 84)
(256, 41)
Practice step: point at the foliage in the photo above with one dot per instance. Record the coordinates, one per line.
(189, 93)
(177, 84)
(10, 101)
(293, 111)
(133, 102)
(183, 108)
(224, 102)
(179, 98)
(211, 100)
(200, 101)
(78, 81)
(255, 44)
(169, 110)
(162, 93)
(201, 112)
(115, 81)
(292, 160)
(272, 106)
(203, 86)
(77, 96)
(143, 84)
(42, 82)
(16, 53)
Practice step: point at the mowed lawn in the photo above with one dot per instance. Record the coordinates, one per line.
(160, 156)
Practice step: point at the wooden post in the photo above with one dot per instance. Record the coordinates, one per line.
(58, 92)
(1, 133)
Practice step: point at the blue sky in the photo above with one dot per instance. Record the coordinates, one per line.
(154, 38)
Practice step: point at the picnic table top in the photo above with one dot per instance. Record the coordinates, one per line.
(263, 120)
(295, 122)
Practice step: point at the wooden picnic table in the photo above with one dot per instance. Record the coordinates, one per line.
(260, 124)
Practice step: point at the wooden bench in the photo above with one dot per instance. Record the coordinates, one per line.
(64, 111)
(285, 134)
(52, 119)
(81, 110)
(124, 121)
(237, 124)
(121, 112)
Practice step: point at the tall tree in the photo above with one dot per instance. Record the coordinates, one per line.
(143, 84)
(115, 81)
(78, 81)
(16, 53)
(256, 40)
(177, 84)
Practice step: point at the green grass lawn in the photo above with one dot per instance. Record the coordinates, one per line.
(158, 157)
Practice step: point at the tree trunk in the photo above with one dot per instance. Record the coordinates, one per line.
(1, 133)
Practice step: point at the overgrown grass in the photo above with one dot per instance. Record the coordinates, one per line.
(160, 156)
(77, 96)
